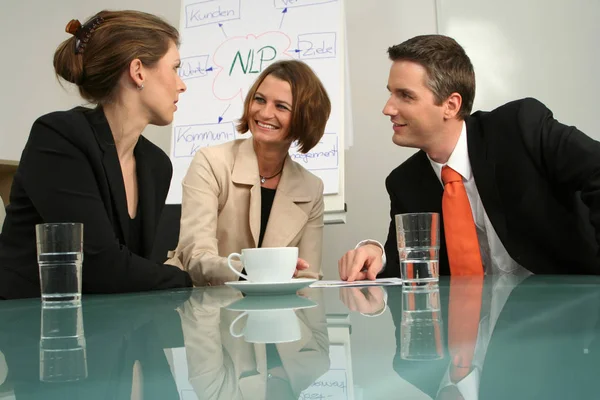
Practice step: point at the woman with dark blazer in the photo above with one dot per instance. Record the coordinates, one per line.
(93, 166)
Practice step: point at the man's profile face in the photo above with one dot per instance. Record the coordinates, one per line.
(417, 120)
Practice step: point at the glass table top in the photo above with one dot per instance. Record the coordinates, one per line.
(504, 337)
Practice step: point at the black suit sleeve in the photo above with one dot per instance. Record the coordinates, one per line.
(569, 158)
(60, 181)
(392, 267)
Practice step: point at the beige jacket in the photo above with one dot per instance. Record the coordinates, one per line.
(223, 367)
(221, 208)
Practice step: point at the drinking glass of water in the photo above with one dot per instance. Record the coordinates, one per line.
(418, 236)
(60, 256)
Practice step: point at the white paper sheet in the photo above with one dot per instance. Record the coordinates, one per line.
(376, 282)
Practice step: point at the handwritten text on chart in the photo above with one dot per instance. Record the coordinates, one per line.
(299, 3)
(193, 67)
(241, 58)
(251, 66)
(316, 45)
(323, 156)
(331, 385)
(188, 139)
(211, 12)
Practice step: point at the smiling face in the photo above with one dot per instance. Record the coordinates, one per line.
(162, 88)
(417, 120)
(270, 112)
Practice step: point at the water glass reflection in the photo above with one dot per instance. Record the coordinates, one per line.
(62, 345)
(422, 325)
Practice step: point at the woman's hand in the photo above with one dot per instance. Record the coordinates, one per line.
(301, 265)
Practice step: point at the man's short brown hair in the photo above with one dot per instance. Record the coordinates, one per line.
(449, 69)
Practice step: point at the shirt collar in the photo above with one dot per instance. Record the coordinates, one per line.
(458, 160)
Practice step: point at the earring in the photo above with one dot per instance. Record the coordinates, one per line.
(140, 87)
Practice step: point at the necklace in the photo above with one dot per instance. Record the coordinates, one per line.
(263, 179)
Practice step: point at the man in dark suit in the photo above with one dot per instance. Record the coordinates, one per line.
(533, 184)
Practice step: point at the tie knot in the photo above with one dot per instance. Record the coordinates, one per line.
(450, 175)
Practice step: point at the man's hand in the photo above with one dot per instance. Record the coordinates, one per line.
(368, 300)
(362, 263)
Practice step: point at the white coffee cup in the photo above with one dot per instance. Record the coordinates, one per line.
(268, 326)
(266, 264)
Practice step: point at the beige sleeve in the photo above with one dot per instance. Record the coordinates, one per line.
(310, 247)
(198, 250)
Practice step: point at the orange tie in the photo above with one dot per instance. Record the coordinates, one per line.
(460, 232)
(465, 313)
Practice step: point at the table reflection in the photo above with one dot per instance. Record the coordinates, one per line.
(119, 354)
(507, 336)
(222, 366)
(494, 337)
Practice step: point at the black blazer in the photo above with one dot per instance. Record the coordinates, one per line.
(539, 182)
(70, 172)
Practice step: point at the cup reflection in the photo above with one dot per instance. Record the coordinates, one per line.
(270, 319)
(221, 366)
(62, 345)
(422, 324)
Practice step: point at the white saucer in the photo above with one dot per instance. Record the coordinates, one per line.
(275, 302)
(270, 288)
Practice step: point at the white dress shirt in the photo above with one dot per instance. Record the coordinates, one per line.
(493, 254)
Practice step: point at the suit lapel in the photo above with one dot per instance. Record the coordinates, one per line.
(245, 172)
(288, 219)
(429, 186)
(112, 167)
(484, 172)
(146, 196)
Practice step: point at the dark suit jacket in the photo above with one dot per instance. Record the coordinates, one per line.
(70, 172)
(532, 174)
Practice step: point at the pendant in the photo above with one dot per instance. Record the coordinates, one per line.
(262, 179)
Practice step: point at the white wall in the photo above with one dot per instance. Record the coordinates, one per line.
(30, 32)
(547, 49)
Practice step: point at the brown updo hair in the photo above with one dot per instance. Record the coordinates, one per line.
(122, 37)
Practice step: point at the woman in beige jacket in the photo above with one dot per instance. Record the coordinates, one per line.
(249, 193)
